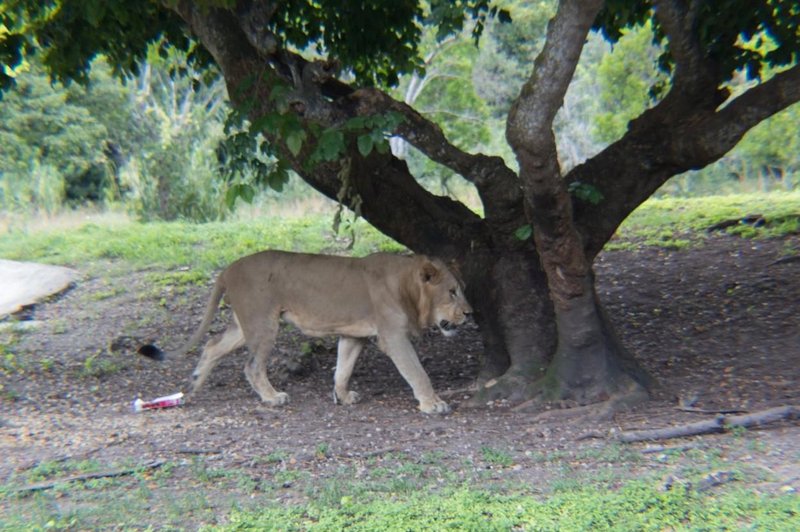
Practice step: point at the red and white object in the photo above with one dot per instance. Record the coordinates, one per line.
(167, 401)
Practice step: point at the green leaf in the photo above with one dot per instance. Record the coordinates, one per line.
(382, 147)
(586, 192)
(279, 93)
(365, 144)
(94, 12)
(524, 232)
(356, 123)
(330, 146)
(278, 178)
(239, 190)
(294, 141)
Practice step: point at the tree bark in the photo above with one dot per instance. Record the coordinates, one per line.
(590, 365)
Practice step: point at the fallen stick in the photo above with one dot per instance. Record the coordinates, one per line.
(695, 410)
(719, 423)
(89, 476)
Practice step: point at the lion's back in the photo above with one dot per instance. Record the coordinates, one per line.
(304, 278)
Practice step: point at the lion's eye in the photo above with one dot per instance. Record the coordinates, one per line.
(453, 293)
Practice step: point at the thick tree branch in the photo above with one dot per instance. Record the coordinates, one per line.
(677, 18)
(530, 133)
(485, 172)
(254, 17)
(670, 139)
(696, 76)
(531, 116)
(746, 111)
(497, 184)
(223, 38)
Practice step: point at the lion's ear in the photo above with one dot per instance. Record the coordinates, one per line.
(430, 273)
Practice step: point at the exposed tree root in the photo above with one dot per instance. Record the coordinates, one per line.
(600, 411)
(511, 387)
(720, 423)
(458, 391)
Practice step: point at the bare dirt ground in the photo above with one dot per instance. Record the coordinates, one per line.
(718, 326)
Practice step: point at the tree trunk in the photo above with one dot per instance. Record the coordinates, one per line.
(508, 291)
(587, 366)
(590, 364)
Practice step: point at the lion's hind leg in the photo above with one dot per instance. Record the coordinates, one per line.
(347, 353)
(214, 350)
(260, 345)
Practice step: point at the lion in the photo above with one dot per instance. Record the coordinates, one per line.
(391, 297)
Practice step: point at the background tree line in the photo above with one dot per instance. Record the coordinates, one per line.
(156, 142)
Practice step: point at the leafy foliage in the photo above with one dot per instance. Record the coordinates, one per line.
(48, 134)
(724, 29)
(69, 34)
(627, 82)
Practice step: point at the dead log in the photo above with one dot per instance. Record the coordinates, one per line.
(720, 423)
(89, 476)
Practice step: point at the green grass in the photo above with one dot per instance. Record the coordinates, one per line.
(172, 245)
(635, 506)
(496, 457)
(398, 492)
(680, 222)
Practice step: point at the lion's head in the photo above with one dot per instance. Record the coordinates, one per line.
(441, 303)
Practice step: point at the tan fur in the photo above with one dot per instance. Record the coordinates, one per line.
(383, 295)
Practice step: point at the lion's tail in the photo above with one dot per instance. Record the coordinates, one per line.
(152, 351)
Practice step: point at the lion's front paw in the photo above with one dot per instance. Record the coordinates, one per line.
(280, 399)
(350, 398)
(434, 407)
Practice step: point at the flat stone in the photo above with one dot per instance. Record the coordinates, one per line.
(25, 283)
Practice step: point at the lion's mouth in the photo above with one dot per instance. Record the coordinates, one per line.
(447, 327)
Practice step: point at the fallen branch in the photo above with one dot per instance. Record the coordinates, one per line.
(89, 476)
(720, 423)
(696, 410)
